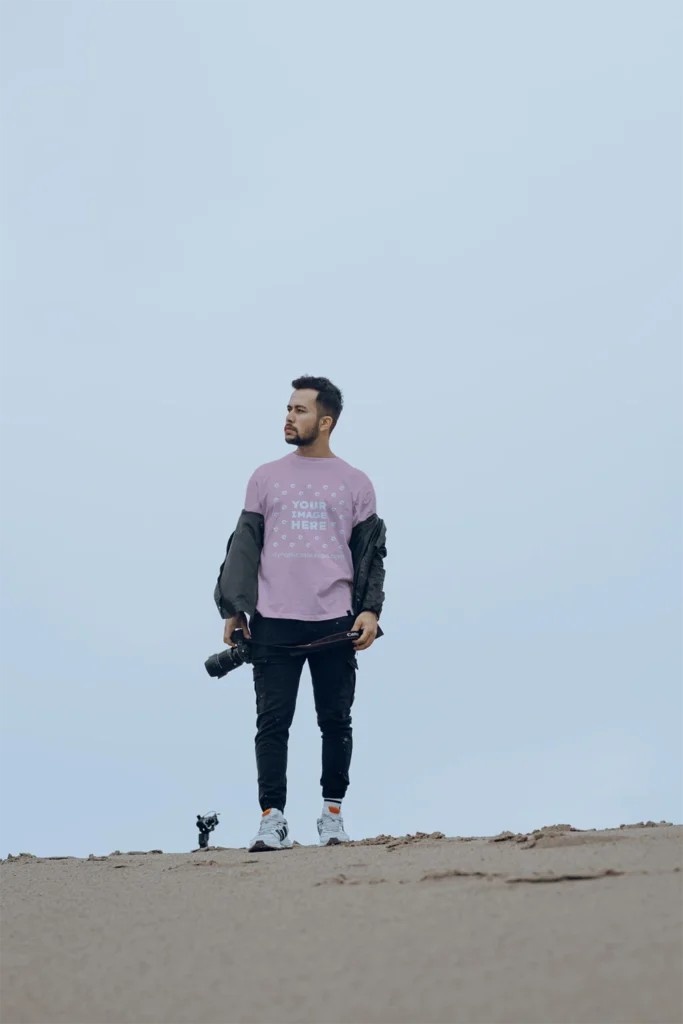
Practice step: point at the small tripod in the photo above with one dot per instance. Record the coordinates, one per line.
(206, 823)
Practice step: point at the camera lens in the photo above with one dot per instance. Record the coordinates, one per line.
(213, 666)
(218, 665)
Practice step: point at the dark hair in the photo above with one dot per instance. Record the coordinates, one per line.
(330, 400)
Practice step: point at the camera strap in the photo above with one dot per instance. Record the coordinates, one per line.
(324, 644)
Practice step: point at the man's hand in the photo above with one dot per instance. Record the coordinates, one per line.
(235, 622)
(367, 622)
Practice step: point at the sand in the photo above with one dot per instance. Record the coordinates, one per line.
(560, 927)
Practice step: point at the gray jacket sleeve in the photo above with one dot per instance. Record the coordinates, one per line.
(374, 595)
(368, 549)
(237, 587)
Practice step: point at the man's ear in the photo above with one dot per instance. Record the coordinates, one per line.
(326, 424)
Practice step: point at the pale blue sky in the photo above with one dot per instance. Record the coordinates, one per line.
(469, 216)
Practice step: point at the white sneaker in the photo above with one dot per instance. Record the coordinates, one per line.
(331, 828)
(273, 833)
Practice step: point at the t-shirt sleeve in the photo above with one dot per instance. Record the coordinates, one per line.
(253, 501)
(365, 504)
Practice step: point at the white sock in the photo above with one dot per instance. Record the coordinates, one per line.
(332, 806)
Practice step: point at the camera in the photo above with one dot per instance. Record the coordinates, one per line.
(218, 665)
(206, 823)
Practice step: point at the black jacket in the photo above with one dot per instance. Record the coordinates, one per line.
(237, 586)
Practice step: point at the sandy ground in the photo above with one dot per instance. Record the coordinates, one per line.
(561, 927)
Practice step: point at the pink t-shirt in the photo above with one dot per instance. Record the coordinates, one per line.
(309, 508)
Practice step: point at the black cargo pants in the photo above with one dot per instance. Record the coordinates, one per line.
(276, 681)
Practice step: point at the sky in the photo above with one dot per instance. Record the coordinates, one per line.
(469, 216)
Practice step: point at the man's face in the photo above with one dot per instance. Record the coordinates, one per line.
(302, 425)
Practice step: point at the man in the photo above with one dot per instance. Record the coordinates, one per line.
(306, 561)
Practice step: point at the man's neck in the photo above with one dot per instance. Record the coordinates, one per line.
(318, 450)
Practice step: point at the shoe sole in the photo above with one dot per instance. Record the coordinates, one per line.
(335, 842)
(262, 847)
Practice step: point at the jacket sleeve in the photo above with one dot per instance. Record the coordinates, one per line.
(237, 586)
(374, 593)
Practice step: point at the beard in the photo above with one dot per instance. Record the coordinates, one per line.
(303, 442)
